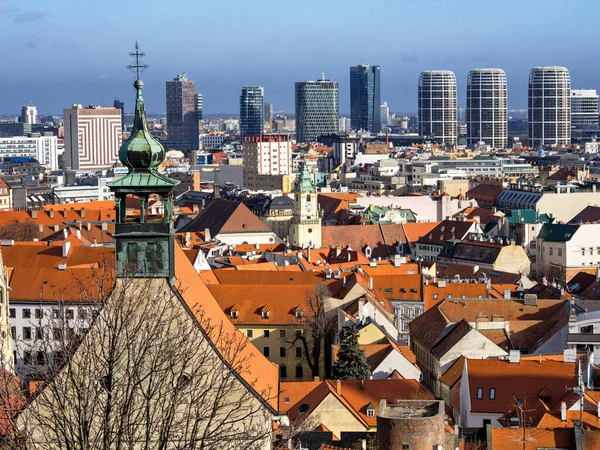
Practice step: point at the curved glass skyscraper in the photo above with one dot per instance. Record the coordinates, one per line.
(317, 109)
(437, 106)
(487, 107)
(549, 106)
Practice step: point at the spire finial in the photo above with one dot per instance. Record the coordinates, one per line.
(138, 67)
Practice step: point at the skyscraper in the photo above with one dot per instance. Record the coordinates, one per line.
(437, 105)
(29, 114)
(252, 111)
(365, 98)
(198, 106)
(584, 107)
(487, 107)
(92, 137)
(317, 109)
(119, 105)
(385, 114)
(182, 125)
(549, 106)
(268, 117)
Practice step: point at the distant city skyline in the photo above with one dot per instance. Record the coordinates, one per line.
(52, 67)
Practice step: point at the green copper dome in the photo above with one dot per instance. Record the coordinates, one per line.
(305, 183)
(141, 152)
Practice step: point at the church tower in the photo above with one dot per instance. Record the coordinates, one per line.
(305, 227)
(144, 242)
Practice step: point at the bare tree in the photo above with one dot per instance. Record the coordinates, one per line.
(19, 231)
(143, 372)
(313, 327)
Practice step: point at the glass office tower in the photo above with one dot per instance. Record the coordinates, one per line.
(365, 98)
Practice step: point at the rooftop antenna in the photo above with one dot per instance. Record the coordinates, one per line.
(322, 76)
(138, 67)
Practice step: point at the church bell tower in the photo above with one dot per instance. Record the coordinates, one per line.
(305, 227)
(144, 241)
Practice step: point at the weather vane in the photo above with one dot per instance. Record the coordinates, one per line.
(139, 65)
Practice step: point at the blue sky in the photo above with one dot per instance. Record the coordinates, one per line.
(58, 53)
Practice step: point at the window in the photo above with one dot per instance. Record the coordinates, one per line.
(266, 351)
(283, 374)
(298, 352)
(582, 251)
(370, 412)
(281, 333)
(266, 333)
(299, 314)
(41, 358)
(70, 314)
(234, 314)
(299, 372)
(492, 393)
(560, 252)
(82, 312)
(12, 313)
(27, 358)
(250, 333)
(13, 332)
(282, 352)
(39, 333)
(38, 313)
(27, 333)
(55, 313)
(26, 313)
(298, 334)
(551, 251)
(479, 393)
(265, 314)
(405, 446)
(57, 332)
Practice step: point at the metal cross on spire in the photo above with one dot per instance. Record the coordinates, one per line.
(139, 66)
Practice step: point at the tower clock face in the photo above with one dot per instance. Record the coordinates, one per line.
(308, 205)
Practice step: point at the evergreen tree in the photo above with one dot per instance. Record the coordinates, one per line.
(351, 361)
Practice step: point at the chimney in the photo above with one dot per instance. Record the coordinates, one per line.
(62, 266)
(41, 228)
(598, 274)
(56, 227)
(338, 252)
(475, 269)
(308, 253)
(104, 226)
(65, 249)
(65, 232)
(82, 213)
(316, 379)
(563, 411)
(506, 294)
(78, 234)
(88, 226)
(188, 239)
(370, 282)
(397, 261)
(34, 214)
(344, 282)
(51, 213)
(195, 207)
(338, 387)
(207, 234)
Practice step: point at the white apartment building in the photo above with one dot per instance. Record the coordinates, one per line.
(76, 194)
(266, 155)
(212, 140)
(565, 250)
(44, 149)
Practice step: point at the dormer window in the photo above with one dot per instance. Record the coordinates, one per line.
(265, 314)
(299, 314)
(370, 410)
(234, 313)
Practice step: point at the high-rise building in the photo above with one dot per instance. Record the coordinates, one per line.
(29, 114)
(487, 107)
(121, 106)
(549, 106)
(385, 114)
(92, 137)
(365, 98)
(198, 106)
(317, 109)
(584, 108)
(345, 124)
(182, 124)
(437, 106)
(252, 111)
(268, 117)
(267, 160)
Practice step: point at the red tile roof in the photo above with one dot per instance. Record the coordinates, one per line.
(225, 216)
(383, 239)
(535, 438)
